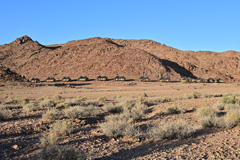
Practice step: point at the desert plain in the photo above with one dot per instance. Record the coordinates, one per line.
(23, 130)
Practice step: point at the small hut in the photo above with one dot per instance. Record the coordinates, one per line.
(66, 79)
(120, 78)
(164, 79)
(144, 79)
(35, 80)
(102, 78)
(186, 80)
(83, 78)
(51, 79)
(210, 80)
(220, 80)
(200, 80)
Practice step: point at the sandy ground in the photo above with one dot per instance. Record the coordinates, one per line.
(25, 128)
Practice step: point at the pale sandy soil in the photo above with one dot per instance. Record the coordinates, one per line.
(24, 129)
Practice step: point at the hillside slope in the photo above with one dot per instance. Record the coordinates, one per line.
(105, 56)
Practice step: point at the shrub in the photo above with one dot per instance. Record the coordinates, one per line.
(138, 111)
(102, 99)
(115, 126)
(48, 140)
(11, 100)
(47, 103)
(23, 100)
(111, 108)
(174, 110)
(4, 113)
(206, 95)
(233, 117)
(206, 112)
(59, 153)
(30, 107)
(91, 102)
(51, 114)
(74, 112)
(213, 122)
(219, 106)
(172, 130)
(129, 104)
(232, 106)
(166, 99)
(62, 128)
(231, 100)
(81, 111)
(62, 105)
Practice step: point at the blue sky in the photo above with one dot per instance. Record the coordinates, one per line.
(184, 24)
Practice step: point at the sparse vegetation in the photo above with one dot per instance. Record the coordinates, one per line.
(172, 130)
(218, 122)
(47, 103)
(219, 106)
(174, 110)
(62, 128)
(112, 108)
(4, 113)
(81, 111)
(138, 111)
(206, 112)
(233, 117)
(30, 107)
(51, 114)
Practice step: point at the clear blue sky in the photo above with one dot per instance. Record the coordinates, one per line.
(184, 24)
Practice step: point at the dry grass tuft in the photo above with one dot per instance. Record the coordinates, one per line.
(206, 112)
(174, 110)
(111, 108)
(47, 103)
(51, 114)
(62, 128)
(30, 107)
(172, 130)
(4, 113)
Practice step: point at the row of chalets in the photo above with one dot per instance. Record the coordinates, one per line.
(142, 79)
(201, 80)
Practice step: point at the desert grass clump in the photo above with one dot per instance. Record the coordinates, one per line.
(219, 106)
(11, 100)
(51, 150)
(129, 104)
(102, 99)
(4, 113)
(23, 100)
(74, 112)
(208, 122)
(173, 110)
(233, 117)
(206, 112)
(30, 107)
(172, 130)
(115, 125)
(59, 153)
(112, 108)
(51, 114)
(47, 103)
(137, 112)
(206, 95)
(166, 99)
(230, 100)
(91, 102)
(82, 111)
(62, 105)
(231, 106)
(62, 128)
(49, 140)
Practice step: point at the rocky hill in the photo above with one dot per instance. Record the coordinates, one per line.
(7, 75)
(105, 56)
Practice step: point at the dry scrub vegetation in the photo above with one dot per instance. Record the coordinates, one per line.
(142, 119)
